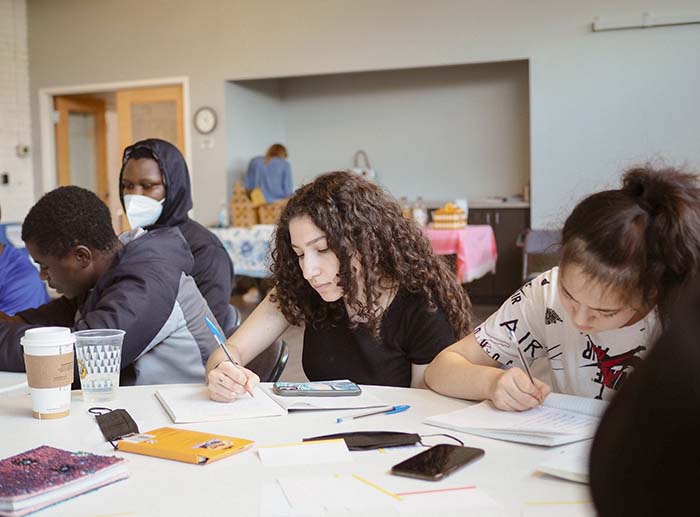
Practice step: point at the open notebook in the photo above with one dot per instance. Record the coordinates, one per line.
(561, 419)
(192, 404)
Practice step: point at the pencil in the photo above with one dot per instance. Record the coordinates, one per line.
(526, 366)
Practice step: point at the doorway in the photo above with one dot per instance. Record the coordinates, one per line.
(81, 143)
(84, 130)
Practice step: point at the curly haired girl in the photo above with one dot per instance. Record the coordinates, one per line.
(376, 302)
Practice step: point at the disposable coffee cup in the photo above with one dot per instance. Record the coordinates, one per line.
(48, 360)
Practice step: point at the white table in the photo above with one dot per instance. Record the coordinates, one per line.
(235, 485)
(13, 383)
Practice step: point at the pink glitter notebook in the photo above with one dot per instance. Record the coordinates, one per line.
(44, 476)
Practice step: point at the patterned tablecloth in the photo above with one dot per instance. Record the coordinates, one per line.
(249, 248)
(474, 245)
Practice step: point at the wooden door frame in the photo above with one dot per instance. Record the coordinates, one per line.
(79, 104)
(148, 95)
(49, 174)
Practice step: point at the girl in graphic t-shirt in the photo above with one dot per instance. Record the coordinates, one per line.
(583, 326)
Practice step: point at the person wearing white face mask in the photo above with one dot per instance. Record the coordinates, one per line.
(142, 211)
(155, 192)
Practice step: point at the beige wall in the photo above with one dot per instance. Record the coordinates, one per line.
(598, 100)
(439, 132)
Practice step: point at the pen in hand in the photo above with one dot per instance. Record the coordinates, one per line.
(220, 340)
(526, 366)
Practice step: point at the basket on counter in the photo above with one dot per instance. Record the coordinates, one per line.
(245, 213)
(269, 213)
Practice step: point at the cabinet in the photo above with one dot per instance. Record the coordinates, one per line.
(508, 224)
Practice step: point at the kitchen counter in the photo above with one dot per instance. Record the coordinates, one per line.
(495, 203)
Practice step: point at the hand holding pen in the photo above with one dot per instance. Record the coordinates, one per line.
(226, 380)
(516, 389)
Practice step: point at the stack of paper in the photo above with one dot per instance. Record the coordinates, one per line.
(45, 476)
(569, 463)
(561, 419)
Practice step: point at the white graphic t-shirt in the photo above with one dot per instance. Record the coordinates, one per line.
(572, 362)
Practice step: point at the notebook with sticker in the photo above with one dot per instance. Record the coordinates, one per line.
(183, 445)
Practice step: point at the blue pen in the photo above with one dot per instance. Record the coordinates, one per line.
(220, 340)
(385, 411)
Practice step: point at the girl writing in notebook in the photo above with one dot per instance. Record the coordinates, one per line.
(584, 325)
(376, 302)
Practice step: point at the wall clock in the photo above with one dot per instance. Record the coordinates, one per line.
(205, 120)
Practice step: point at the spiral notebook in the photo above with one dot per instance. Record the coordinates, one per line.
(561, 419)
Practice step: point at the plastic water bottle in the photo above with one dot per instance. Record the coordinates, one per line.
(420, 214)
(223, 216)
(406, 208)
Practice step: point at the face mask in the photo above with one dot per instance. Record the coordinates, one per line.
(142, 211)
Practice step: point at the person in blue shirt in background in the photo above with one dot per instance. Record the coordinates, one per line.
(271, 173)
(20, 285)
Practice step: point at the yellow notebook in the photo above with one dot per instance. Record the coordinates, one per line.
(183, 445)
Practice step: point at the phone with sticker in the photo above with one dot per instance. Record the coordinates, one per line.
(342, 388)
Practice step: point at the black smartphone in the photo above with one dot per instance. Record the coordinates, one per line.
(437, 462)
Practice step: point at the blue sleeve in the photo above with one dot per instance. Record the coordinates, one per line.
(288, 187)
(22, 287)
(251, 175)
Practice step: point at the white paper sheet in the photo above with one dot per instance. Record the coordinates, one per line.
(192, 404)
(381, 493)
(305, 453)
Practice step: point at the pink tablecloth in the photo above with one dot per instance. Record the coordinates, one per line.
(474, 245)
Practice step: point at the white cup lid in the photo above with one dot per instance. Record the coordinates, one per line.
(47, 336)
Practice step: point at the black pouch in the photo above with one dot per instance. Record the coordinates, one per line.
(114, 424)
(367, 440)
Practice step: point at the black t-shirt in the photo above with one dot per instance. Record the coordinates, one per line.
(409, 334)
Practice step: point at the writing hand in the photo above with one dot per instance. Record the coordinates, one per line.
(513, 391)
(228, 382)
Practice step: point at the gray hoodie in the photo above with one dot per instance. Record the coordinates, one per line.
(148, 293)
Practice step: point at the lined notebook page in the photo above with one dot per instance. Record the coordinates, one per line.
(583, 405)
(540, 420)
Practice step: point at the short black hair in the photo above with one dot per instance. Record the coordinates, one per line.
(67, 217)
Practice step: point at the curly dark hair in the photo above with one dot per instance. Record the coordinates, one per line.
(360, 220)
(67, 217)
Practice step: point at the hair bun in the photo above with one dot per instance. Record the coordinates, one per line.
(656, 190)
